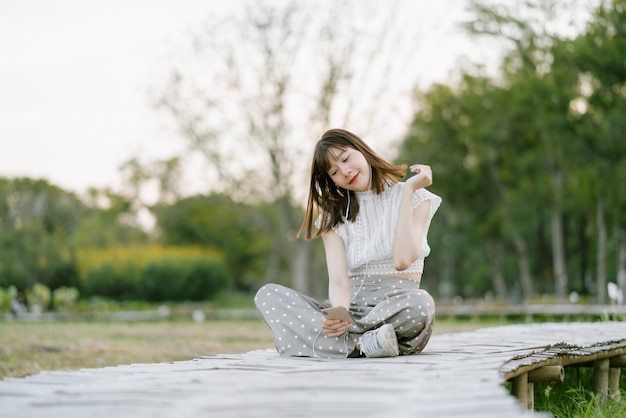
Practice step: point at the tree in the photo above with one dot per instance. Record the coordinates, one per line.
(37, 221)
(108, 220)
(471, 135)
(598, 54)
(533, 29)
(264, 86)
(515, 151)
(239, 230)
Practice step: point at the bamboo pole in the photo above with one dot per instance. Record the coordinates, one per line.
(547, 374)
(524, 387)
(615, 370)
(520, 388)
(618, 361)
(614, 374)
(601, 378)
(530, 396)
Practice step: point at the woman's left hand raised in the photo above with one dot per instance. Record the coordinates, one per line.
(423, 176)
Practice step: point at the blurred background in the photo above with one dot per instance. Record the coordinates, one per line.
(156, 152)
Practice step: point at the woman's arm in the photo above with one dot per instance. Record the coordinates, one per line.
(409, 232)
(338, 287)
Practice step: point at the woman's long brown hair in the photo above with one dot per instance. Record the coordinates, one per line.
(328, 199)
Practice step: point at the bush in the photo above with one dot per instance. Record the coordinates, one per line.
(6, 296)
(11, 276)
(64, 275)
(176, 279)
(108, 280)
(40, 295)
(154, 273)
(64, 298)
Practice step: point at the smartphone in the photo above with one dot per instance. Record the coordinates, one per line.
(338, 312)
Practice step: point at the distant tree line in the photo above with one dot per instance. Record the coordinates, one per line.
(532, 163)
(52, 238)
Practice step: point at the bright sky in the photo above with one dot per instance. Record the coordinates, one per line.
(75, 75)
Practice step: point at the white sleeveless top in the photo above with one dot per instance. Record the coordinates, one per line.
(368, 240)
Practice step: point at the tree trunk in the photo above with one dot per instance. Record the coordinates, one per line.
(558, 256)
(300, 266)
(601, 261)
(495, 264)
(273, 262)
(447, 289)
(621, 267)
(583, 246)
(524, 267)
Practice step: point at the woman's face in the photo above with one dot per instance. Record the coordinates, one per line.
(349, 169)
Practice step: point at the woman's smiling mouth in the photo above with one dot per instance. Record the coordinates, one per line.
(354, 178)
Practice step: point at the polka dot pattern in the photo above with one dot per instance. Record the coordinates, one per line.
(296, 319)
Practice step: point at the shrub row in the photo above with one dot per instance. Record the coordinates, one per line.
(154, 274)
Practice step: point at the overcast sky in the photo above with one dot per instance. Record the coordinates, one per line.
(74, 76)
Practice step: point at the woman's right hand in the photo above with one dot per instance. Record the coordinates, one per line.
(335, 327)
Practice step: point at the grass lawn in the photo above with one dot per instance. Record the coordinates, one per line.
(28, 348)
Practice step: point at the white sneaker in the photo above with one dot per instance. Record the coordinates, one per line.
(381, 342)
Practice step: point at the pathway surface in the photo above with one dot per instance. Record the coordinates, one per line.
(457, 375)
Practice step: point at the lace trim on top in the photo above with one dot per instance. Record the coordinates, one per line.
(368, 240)
(385, 267)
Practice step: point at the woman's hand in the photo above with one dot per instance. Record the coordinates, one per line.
(334, 327)
(423, 176)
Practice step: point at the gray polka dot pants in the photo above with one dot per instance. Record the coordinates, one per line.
(296, 319)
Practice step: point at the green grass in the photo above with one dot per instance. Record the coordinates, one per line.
(27, 348)
(573, 397)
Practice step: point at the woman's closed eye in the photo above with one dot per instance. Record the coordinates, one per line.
(343, 160)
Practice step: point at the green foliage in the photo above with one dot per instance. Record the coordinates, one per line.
(6, 296)
(179, 279)
(40, 295)
(26, 201)
(542, 141)
(41, 225)
(107, 222)
(573, 398)
(98, 229)
(106, 280)
(29, 255)
(65, 298)
(153, 273)
(242, 232)
(233, 300)
(98, 304)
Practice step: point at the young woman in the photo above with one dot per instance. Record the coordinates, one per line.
(374, 229)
